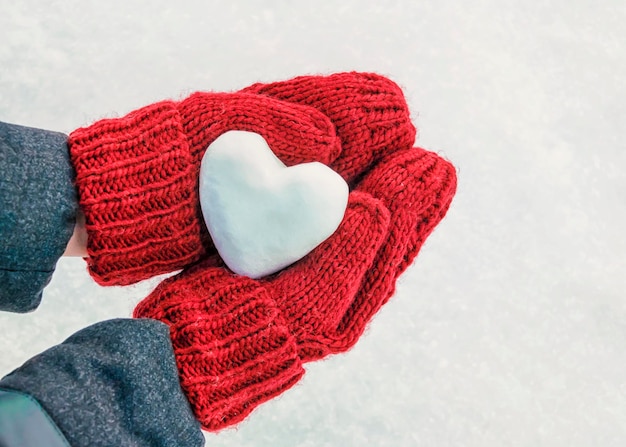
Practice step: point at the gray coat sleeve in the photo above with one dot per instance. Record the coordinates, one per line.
(38, 206)
(114, 383)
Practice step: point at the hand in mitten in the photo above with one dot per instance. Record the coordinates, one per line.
(137, 176)
(368, 111)
(239, 342)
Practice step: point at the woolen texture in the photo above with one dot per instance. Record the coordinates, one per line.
(232, 346)
(137, 176)
(368, 110)
(319, 306)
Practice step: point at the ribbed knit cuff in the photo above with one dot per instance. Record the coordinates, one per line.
(232, 346)
(138, 190)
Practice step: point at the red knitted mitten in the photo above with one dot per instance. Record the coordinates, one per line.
(137, 176)
(328, 298)
(233, 348)
(368, 110)
(320, 305)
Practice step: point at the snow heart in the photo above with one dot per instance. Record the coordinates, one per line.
(262, 215)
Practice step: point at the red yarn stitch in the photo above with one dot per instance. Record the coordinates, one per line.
(137, 175)
(239, 342)
(232, 346)
(368, 110)
(416, 188)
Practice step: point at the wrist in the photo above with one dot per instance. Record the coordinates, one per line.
(77, 245)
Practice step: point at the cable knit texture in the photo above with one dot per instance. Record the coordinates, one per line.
(319, 306)
(137, 175)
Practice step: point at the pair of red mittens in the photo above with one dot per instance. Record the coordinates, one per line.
(239, 342)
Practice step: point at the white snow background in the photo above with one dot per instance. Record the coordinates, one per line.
(510, 328)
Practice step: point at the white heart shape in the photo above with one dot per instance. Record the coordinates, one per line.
(262, 215)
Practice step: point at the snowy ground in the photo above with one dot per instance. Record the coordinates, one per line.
(510, 327)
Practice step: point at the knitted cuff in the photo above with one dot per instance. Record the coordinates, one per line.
(138, 191)
(233, 348)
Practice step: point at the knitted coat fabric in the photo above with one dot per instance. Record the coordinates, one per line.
(137, 176)
(234, 353)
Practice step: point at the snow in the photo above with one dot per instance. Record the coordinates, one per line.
(509, 329)
(262, 215)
